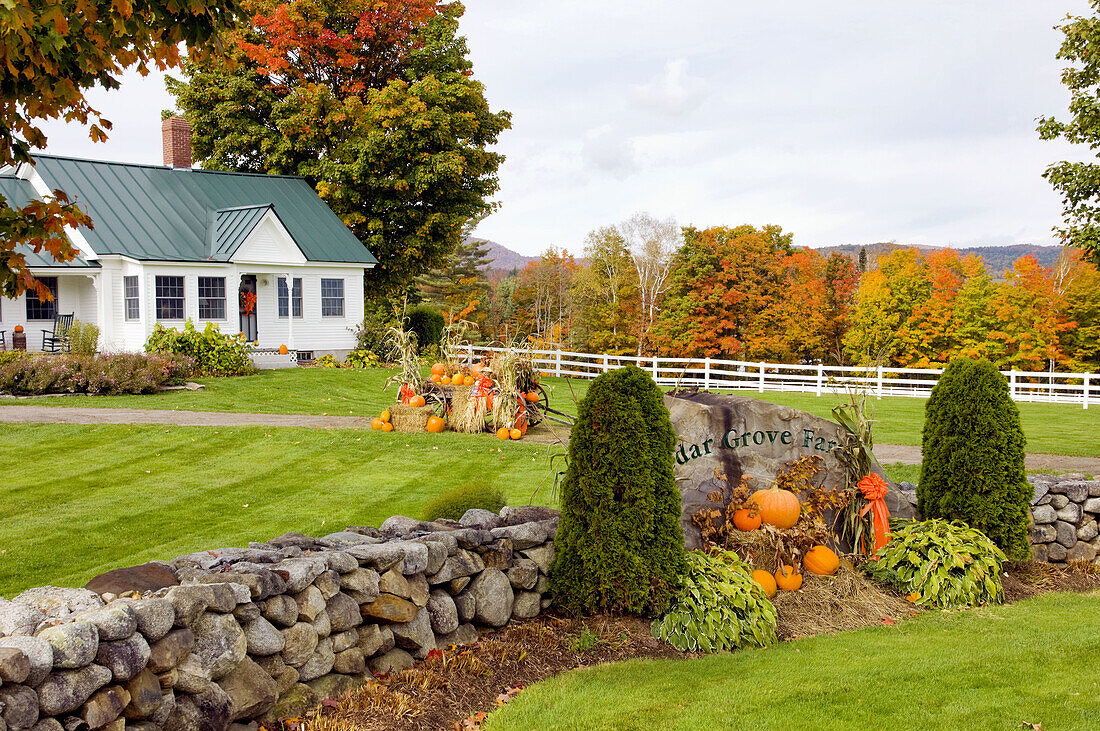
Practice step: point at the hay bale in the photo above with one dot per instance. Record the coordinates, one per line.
(408, 418)
(826, 604)
(467, 412)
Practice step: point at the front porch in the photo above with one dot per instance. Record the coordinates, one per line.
(74, 292)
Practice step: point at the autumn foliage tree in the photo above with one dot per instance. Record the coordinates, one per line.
(544, 308)
(606, 295)
(373, 103)
(53, 52)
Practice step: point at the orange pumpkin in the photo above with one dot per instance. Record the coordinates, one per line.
(436, 424)
(18, 328)
(387, 426)
(503, 433)
(416, 401)
(386, 416)
(468, 381)
(439, 369)
(515, 434)
(777, 507)
(766, 580)
(821, 560)
(476, 369)
(787, 579)
(745, 520)
(445, 380)
(532, 397)
(376, 423)
(436, 378)
(283, 350)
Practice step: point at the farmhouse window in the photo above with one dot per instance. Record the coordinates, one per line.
(332, 297)
(131, 298)
(211, 298)
(285, 299)
(38, 309)
(169, 291)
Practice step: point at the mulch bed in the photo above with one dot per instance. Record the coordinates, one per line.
(457, 688)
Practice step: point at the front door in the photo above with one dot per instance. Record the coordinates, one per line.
(247, 299)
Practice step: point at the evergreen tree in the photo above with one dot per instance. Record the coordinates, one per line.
(973, 451)
(619, 546)
(862, 259)
(459, 288)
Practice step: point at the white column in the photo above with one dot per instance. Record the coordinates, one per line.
(290, 307)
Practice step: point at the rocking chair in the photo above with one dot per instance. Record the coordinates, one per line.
(57, 339)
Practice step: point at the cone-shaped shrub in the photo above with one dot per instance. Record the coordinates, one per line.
(973, 456)
(619, 546)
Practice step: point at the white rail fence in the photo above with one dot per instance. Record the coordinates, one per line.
(737, 375)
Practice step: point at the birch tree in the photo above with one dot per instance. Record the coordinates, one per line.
(652, 243)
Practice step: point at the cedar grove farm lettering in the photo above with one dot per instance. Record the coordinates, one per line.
(806, 439)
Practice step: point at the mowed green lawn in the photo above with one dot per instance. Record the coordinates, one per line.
(1049, 428)
(79, 500)
(993, 668)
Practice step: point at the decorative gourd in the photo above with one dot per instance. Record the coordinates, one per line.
(503, 433)
(766, 580)
(416, 401)
(436, 378)
(468, 381)
(787, 579)
(445, 380)
(439, 369)
(283, 350)
(777, 507)
(533, 397)
(386, 416)
(821, 560)
(745, 520)
(387, 426)
(376, 423)
(435, 424)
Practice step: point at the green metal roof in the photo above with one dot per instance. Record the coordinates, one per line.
(18, 193)
(157, 213)
(232, 226)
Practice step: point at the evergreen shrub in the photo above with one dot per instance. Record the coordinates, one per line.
(619, 546)
(973, 456)
(456, 501)
(427, 323)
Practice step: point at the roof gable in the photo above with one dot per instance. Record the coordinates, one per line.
(157, 213)
(268, 241)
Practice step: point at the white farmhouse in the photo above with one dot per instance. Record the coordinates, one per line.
(258, 254)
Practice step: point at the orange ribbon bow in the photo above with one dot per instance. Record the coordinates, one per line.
(873, 488)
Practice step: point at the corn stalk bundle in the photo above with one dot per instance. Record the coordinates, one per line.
(506, 371)
(403, 351)
(467, 410)
(451, 342)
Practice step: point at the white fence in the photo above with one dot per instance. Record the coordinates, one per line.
(737, 375)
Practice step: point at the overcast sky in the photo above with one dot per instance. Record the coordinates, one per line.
(853, 121)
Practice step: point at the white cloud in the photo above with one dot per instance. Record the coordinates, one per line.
(674, 91)
(608, 151)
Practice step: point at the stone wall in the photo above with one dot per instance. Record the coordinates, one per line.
(1064, 515)
(225, 638)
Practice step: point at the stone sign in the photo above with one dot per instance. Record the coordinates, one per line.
(720, 438)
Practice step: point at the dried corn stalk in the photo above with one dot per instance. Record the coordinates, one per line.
(403, 351)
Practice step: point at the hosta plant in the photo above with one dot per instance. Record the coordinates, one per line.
(940, 564)
(719, 607)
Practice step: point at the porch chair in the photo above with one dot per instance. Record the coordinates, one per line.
(57, 339)
(3, 343)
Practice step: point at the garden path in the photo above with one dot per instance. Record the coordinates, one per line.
(885, 453)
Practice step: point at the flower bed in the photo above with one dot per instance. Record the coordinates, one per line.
(22, 374)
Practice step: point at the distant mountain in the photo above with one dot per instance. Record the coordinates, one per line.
(503, 258)
(997, 259)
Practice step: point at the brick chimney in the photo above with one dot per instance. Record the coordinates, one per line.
(176, 132)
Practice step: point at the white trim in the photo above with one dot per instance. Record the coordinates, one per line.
(28, 173)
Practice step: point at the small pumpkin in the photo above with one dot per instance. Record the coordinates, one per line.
(436, 378)
(821, 560)
(376, 423)
(475, 369)
(766, 581)
(386, 416)
(533, 397)
(18, 328)
(777, 507)
(515, 434)
(387, 426)
(503, 433)
(468, 381)
(417, 401)
(745, 520)
(787, 579)
(445, 380)
(435, 424)
(283, 350)
(439, 369)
